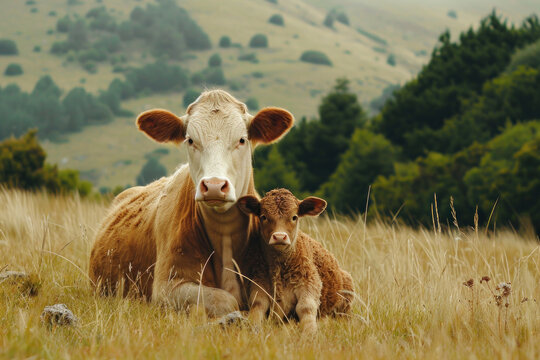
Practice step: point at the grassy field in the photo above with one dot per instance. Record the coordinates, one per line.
(411, 301)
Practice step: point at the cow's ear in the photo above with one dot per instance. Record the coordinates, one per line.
(249, 205)
(311, 206)
(269, 125)
(161, 125)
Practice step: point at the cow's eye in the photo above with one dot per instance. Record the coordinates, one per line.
(190, 141)
(242, 141)
(294, 218)
(263, 218)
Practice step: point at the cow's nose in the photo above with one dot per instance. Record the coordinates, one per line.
(279, 238)
(214, 188)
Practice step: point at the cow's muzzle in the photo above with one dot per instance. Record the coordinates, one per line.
(214, 191)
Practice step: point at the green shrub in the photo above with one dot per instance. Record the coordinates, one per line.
(157, 77)
(391, 60)
(37, 48)
(315, 57)
(257, 74)
(13, 70)
(190, 96)
(251, 57)
(528, 56)
(329, 20)
(276, 19)
(258, 41)
(8, 47)
(252, 104)
(63, 24)
(90, 66)
(22, 165)
(369, 155)
(272, 1)
(110, 43)
(209, 76)
(30, 2)
(214, 61)
(273, 172)
(342, 18)
(452, 14)
(151, 170)
(59, 47)
(34, 10)
(52, 13)
(225, 42)
(92, 54)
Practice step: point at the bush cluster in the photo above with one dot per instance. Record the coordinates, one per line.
(22, 165)
(315, 57)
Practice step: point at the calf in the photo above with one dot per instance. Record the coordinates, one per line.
(303, 276)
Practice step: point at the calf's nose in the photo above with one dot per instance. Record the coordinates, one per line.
(280, 238)
(214, 188)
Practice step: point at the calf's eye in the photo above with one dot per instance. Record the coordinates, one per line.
(190, 141)
(263, 218)
(294, 218)
(242, 141)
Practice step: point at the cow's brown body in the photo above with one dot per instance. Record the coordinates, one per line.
(162, 244)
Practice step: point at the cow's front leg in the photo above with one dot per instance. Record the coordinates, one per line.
(216, 302)
(306, 309)
(229, 279)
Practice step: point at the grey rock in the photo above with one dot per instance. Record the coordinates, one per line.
(58, 314)
(13, 275)
(234, 318)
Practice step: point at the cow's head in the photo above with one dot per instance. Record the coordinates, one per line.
(220, 135)
(279, 212)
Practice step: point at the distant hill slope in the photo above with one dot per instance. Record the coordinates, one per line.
(408, 32)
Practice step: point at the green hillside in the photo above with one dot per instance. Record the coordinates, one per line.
(113, 154)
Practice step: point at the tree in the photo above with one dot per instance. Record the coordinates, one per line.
(456, 72)
(225, 42)
(258, 41)
(152, 170)
(78, 35)
(272, 172)
(13, 70)
(190, 96)
(368, 156)
(22, 165)
(252, 103)
(314, 148)
(276, 19)
(315, 57)
(214, 60)
(8, 47)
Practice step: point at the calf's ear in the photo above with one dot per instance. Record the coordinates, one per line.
(311, 206)
(161, 125)
(269, 125)
(249, 205)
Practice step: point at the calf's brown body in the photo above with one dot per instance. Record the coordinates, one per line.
(297, 272)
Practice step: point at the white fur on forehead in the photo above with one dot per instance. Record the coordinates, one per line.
(214, 101)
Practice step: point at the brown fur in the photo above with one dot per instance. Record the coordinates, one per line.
(304, 278)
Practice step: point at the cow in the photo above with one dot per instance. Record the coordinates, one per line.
(179, 240)
(294, 270)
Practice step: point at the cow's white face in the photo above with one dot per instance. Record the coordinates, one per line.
(219, 134)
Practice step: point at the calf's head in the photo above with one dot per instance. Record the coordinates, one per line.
(279, 212)
(220, 135)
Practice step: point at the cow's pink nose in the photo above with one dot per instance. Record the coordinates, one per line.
(279, 238)
(214, 188)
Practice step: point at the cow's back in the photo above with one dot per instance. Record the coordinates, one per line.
(125, 250)
(334, 280)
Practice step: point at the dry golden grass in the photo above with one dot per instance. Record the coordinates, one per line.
(411, 299)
